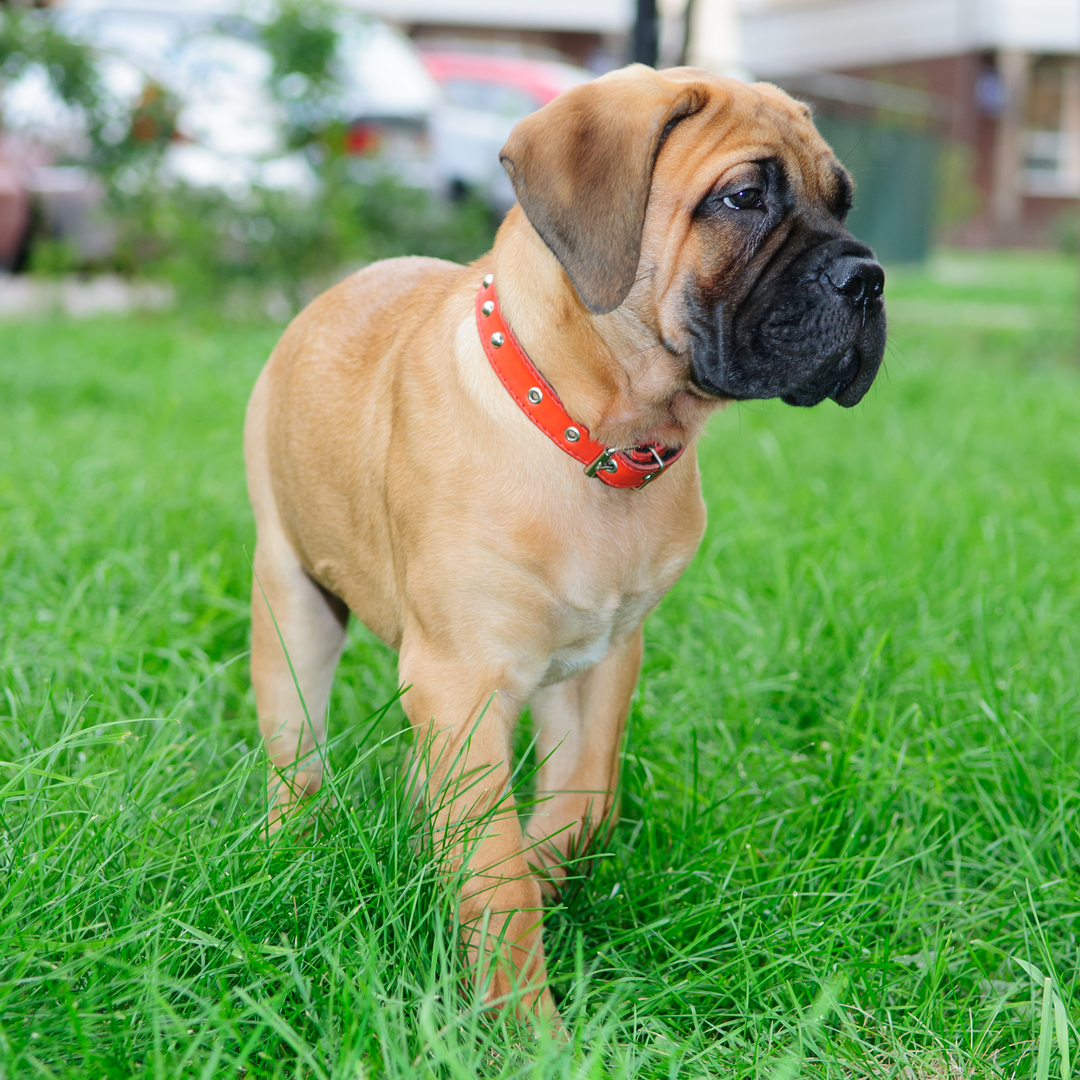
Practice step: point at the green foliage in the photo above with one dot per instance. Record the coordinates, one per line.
(1066, 231)
(49, 257)
(207, 243)
(957, 195)
(26, 38)
(850, 817)
(118, 138)
(302, 40)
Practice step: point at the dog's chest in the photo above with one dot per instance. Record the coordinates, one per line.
(586, 635)
(606, 582)
(590, 619)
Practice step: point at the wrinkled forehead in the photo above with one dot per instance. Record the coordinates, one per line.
(741, 123)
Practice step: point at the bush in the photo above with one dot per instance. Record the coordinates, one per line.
(207, 243)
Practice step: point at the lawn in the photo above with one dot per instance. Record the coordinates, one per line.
(850, 823)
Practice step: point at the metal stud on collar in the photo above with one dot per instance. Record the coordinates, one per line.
(572, 434)
(488, 279)
(497, 339)
(487, 308)
(535, 395)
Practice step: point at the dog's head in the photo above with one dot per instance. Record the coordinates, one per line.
(717, 211)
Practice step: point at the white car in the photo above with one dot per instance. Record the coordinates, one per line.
(484, 96)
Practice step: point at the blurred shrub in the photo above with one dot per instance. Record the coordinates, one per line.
(27, 39)
(1066, 231)
(958, 197)
(117, 138)
(50, 257)
(302, 41)
(207, 243)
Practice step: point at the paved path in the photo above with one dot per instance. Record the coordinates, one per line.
(24, 296)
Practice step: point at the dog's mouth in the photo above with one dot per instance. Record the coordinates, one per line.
(846, 373)
(856, 376)
(839, 382)
(845, 383)
(844, 392)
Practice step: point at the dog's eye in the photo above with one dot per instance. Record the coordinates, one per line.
(748, 199)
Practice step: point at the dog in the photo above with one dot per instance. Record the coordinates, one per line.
(493, 466)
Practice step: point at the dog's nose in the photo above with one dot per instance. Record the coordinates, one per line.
(859, 280)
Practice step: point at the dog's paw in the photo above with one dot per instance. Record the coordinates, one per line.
(289, 797)
(529, 1003)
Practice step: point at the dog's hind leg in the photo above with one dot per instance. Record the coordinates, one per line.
(579, 726)
(292, 683)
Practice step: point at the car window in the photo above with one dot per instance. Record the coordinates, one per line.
(510, 102)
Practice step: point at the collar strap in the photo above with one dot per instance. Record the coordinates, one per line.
(633, 468)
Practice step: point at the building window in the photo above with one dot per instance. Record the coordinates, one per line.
(1052, 128)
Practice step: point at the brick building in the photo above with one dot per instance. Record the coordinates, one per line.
(998, 79)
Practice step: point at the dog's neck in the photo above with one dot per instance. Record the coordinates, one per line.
(611, 371)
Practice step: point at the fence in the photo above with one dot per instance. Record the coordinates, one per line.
(893, 170)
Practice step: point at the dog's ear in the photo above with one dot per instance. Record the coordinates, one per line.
(582, 168)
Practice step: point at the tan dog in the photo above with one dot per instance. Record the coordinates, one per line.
(679, 244)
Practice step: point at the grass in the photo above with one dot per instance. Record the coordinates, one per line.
(849, 837)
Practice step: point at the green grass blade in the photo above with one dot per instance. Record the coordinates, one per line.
(1061, 1025)
(1046, 1032)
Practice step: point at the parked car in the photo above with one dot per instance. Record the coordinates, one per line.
(484, 96)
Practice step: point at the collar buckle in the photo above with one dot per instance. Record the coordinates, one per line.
(661, 466)
(603, 462)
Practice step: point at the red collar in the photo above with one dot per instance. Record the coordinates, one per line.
(633, 468)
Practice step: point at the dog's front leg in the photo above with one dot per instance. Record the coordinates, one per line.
(579, 725)
(464, 718)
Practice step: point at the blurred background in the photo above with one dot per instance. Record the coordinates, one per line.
(252, 150)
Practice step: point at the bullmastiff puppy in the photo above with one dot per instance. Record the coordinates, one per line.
(493, 466)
